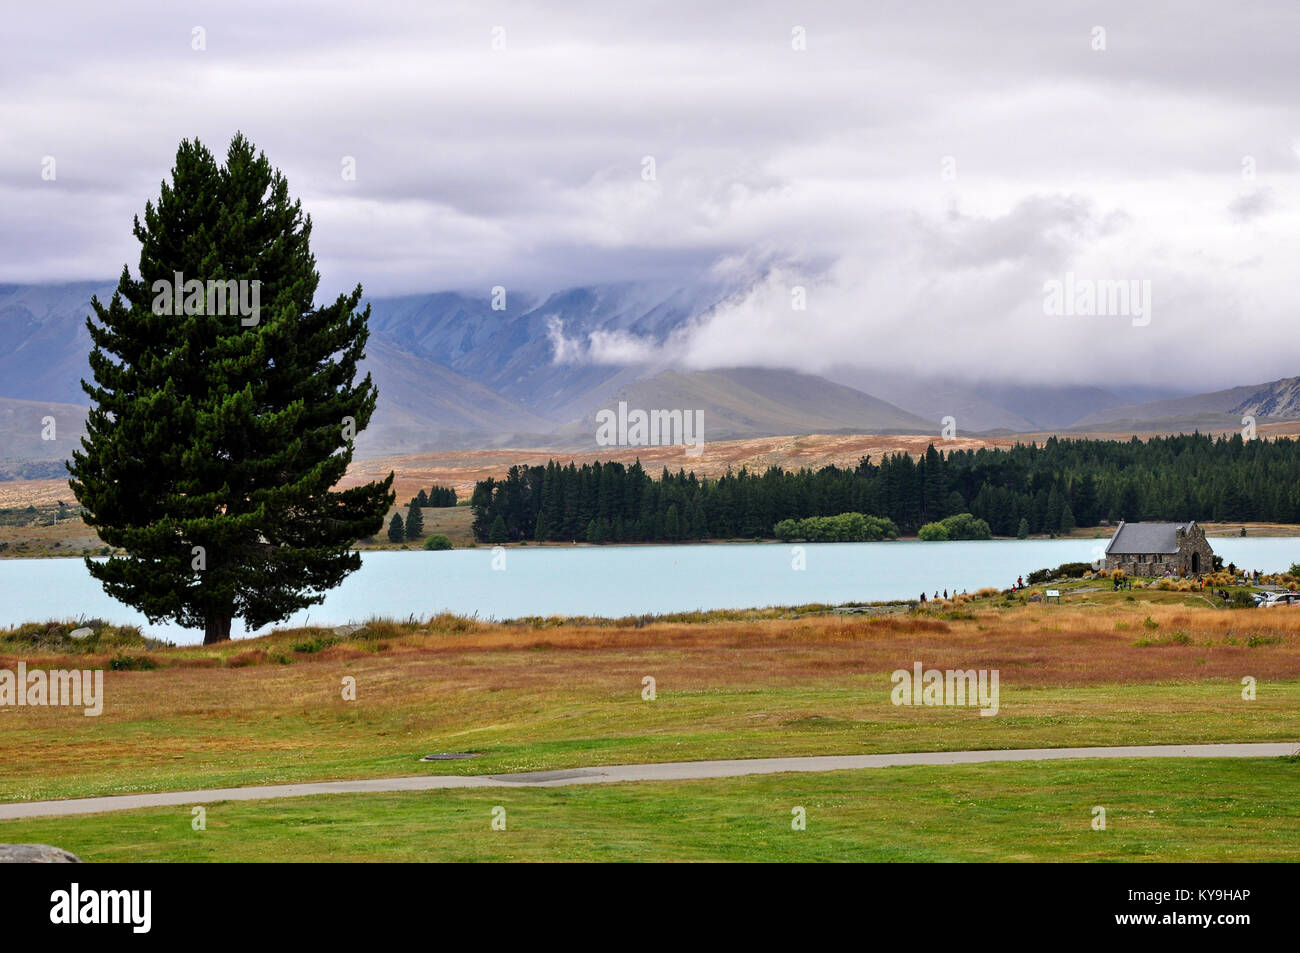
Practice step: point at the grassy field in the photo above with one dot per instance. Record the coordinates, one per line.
(545, 694)
(1104, 668)
(51, 530)
(452, 521)
(1156, 810)
(46, 530)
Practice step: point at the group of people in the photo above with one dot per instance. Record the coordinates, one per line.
(945, 594)
(1119, 584)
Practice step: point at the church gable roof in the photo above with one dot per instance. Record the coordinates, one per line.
(1137, 538)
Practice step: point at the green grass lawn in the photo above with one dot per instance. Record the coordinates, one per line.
(1156, 810)
(558, 694)
(270, 739)
(1103, 669)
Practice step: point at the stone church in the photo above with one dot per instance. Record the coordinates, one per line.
(1149, 549)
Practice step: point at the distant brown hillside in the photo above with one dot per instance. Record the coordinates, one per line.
(463, 468)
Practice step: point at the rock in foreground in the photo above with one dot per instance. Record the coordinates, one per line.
(35, 854)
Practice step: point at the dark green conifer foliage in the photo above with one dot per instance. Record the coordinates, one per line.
(214, 441)
(414, 522)
(499, 534)
(439, 496)
(1028, 489)
(672, 527)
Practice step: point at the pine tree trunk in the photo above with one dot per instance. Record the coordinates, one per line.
(217, 629)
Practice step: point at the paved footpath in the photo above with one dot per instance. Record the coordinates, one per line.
(668, 771)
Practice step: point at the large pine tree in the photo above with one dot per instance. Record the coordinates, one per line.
(216, 439)
(414, 526)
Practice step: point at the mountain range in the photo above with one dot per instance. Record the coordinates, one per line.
(454, 372)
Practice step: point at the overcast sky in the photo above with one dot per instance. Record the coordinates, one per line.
(922, 169)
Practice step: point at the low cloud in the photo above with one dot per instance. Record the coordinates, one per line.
(1253, 204)
(920, 169)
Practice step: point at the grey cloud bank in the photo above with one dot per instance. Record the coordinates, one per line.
(921, 169)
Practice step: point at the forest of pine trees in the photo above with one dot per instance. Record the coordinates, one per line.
(438, 496)
(1035, 489)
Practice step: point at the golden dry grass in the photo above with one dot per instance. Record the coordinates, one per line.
(1050, 645)
(560, 694)
(67, 537)
(463, 468)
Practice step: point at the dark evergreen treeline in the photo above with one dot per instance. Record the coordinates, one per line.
(1053, 488)
(438, 496)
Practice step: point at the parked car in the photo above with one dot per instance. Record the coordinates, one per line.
(1284, 598)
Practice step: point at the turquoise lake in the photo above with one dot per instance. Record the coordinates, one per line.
(617, 580)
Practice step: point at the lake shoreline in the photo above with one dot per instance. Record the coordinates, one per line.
(621, 580)
(1271, 532)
